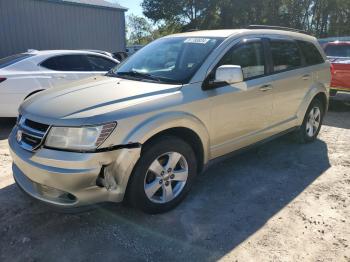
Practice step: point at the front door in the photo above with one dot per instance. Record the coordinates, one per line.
(241, 112)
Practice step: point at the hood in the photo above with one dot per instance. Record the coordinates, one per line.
(95, 97)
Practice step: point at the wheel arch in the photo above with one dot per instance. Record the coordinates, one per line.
(318, 92)
(33, 93)
(179, 124)
(187, 135)
(323, 98)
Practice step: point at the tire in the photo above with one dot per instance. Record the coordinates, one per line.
(155, 174)
(307, 133)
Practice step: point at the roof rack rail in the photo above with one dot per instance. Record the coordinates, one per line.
(277, 28)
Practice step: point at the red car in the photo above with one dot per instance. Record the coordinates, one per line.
(339, 55)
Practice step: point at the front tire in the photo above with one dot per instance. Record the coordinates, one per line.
(163, 175)
(312, 123)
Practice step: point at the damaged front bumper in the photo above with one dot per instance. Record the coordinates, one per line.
(70, 179)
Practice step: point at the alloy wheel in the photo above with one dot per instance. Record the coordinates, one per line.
(313, 122)
(166, 177)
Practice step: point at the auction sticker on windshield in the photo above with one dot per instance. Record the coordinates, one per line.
(197, 40)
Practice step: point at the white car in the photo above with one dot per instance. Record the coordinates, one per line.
(25, 74)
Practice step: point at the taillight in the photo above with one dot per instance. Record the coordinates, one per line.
(2, 79)
(332, 69)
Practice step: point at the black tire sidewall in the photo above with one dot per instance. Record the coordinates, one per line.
(136, 195)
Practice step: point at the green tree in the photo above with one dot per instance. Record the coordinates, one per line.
(319, 17)
(139, 30)
(188, 13)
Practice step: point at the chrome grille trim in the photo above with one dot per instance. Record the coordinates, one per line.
(29, 132)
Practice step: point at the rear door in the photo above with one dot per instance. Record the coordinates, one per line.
(291, 80)
(66, 68)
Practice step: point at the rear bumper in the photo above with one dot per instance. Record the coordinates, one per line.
(68, 179)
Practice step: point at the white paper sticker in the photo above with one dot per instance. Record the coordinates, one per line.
(197, 40)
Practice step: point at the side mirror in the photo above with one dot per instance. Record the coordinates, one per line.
(230, 74)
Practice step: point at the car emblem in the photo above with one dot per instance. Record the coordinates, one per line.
(19, 135)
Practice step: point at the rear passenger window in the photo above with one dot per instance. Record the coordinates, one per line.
(76, 63)
(285, 55)
(249, 56)
(99, 63)
(311, 54)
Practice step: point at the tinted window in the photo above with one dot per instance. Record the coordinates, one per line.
(68, 63)
(99, 63)
(249, 56)
(311, 53)
(338, 50)
(285, 55)
(10, 60)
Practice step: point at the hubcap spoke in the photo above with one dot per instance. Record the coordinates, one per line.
(316, 125)
(317, 114)
(152, 188)
(310, 130)
(180, 175)
(168, 194)
(156, 167)
(174, 158)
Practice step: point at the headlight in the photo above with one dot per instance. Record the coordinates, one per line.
(79, 138)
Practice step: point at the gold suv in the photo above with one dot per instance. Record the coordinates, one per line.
(144, 130)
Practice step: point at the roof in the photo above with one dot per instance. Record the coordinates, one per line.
(225, 33)
(212, 33)
(64, 52)
(91, 3)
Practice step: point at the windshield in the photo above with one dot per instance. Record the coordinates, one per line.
(168, 60)
(338, 50)
(10, 60)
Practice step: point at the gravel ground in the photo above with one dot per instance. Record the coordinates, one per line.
(278, 202)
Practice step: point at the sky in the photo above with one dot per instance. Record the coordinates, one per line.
(133, 5)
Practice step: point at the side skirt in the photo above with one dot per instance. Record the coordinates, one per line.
(247, 148)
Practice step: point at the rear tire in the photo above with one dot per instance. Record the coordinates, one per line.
(163, 175)
(312, 122)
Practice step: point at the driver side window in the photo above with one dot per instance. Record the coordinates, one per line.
(250, 56)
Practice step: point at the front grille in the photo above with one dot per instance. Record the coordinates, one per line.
(30, 140)
(30, 134)
(35, 125)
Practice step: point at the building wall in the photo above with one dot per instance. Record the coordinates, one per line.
(38, 24)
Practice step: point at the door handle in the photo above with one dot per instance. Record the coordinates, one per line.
(265, 88)
(306, 77)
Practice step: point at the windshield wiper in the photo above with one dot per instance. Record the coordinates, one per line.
(139, 75)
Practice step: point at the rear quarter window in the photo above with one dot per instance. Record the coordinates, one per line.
(99, 63)
(310, 52)
(10, 60)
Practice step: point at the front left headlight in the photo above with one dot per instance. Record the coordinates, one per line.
(84, 138)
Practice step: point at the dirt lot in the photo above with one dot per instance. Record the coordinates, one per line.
(279, 202)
